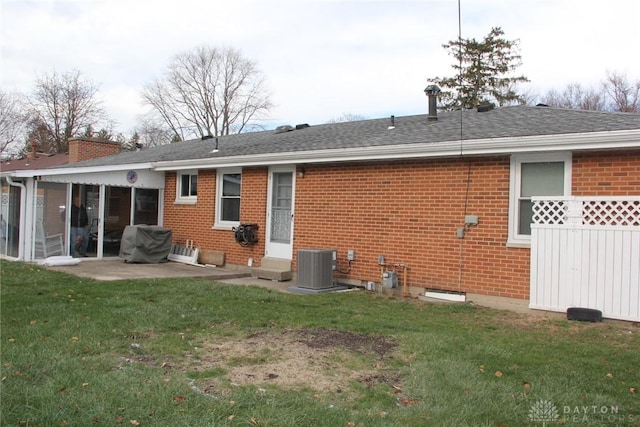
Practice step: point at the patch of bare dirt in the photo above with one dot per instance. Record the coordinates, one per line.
(317, 359)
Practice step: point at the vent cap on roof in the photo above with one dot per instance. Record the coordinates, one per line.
(284, 128)
(483, 108)
(432, 92)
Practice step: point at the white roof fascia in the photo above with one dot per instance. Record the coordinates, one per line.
(80, 170)
(542, 143)
(565, 142)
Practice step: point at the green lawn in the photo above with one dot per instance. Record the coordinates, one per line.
(78, 352)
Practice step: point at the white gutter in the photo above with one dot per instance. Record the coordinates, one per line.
(27, 173)
(492, 146)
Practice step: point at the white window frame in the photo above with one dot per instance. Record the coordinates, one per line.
(524, 240)
(179, 197)
(219, 223)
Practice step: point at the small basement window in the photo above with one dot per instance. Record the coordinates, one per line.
(187, 187)
(228, 187)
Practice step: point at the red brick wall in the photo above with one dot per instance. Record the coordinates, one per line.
(88, 148)
(407, 211)
(606, 174)
(195, 222)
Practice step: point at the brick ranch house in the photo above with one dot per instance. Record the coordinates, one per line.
(459, 202)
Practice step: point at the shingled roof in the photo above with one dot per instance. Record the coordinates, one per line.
(466, 125)
(39, 161)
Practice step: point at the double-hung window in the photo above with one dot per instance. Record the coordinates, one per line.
(534, 175)
(187, 187)
(229, 184)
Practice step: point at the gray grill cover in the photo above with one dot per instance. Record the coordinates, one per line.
(145, 244)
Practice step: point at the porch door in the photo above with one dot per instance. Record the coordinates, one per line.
(90, 199)
(117, 215)
(279, 234)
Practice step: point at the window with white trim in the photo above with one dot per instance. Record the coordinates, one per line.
(187, 187)
(229, 184)
(534, 175)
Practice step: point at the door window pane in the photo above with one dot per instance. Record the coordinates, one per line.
(281, 203)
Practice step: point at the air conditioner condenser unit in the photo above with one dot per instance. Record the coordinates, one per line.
(315, 268)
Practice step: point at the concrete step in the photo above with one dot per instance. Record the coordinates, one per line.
(278, 269)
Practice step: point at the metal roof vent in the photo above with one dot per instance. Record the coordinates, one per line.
(483, 108)
(284, 128)
(215, 149)
(432, 92)
(302, 126)
(392, 123)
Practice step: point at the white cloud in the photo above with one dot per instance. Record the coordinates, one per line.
(320, 58)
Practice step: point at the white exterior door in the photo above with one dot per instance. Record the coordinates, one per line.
(279, 235)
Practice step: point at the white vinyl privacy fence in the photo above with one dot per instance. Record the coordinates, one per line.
(585, 252)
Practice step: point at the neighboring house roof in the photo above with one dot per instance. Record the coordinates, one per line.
(40, 161)
(500, 130)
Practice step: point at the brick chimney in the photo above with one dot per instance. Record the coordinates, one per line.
(33, 153)
(85, 148)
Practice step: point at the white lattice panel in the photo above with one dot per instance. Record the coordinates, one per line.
(611, 212)
(595, 212)
(549, 212)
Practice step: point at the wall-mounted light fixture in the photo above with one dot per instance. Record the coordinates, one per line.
(301, 172)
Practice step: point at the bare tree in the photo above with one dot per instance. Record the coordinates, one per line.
(153, 132)
(624, 96)
(346, 117)
(208, 91)
(12, 121)
(576, 97)
(63, 105)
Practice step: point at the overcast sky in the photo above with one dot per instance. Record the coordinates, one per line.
(322, 58)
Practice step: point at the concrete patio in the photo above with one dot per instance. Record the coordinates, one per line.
(117, 269)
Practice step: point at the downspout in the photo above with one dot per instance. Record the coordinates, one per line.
(23, 213)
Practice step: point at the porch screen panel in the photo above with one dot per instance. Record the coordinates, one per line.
(281, 207)
(10, 220)
(50, 207)
(146, 208)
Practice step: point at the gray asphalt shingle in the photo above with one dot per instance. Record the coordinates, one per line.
(506, 122)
